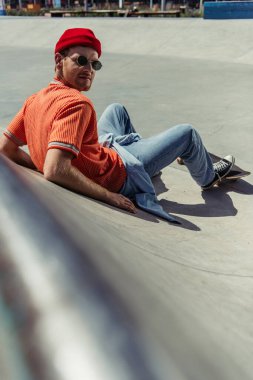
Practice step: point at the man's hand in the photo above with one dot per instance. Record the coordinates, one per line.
(58, 169)
(118, 200)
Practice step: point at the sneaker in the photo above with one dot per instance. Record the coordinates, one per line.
(221, 169)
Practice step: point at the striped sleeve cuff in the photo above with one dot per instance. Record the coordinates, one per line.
(64, 146)
(13, 138)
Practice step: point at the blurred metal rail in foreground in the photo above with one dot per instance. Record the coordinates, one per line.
(60, 318)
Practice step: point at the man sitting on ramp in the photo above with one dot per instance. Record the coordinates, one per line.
(109, 162)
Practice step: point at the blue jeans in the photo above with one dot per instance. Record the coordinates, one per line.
(160, 150)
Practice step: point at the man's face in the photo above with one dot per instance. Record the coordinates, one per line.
(74, 75)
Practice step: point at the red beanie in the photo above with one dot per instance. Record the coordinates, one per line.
(78, 36)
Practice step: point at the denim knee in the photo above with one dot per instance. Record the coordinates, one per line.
(189, 138)
(116, 107)
(186, 129)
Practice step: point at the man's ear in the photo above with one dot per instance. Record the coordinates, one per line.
(58, 60)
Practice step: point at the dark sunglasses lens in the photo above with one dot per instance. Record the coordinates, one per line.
(96, 65)
(82, 61)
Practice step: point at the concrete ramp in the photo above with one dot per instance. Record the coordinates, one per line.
(187, 289)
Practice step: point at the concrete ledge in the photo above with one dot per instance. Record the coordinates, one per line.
(48, 283)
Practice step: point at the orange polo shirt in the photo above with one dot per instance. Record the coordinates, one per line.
(60, 117)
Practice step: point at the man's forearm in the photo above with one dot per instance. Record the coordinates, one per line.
(23, 158)
(19, 156)
(59, 169)
(71, 178)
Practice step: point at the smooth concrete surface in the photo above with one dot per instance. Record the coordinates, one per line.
(190, 287)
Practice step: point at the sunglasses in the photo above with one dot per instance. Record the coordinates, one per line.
(83, 61)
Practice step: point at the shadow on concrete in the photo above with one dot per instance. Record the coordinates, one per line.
(185, 224)
(241, 187)
(217, 204)
(217, 200)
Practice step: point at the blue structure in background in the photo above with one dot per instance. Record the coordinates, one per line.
(2, 8)
(228, 10)
(57, 3)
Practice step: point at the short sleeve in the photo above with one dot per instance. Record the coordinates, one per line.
(69, 126)
(16, 129)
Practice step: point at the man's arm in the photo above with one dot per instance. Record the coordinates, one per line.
(58, 169)
(14, 153)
